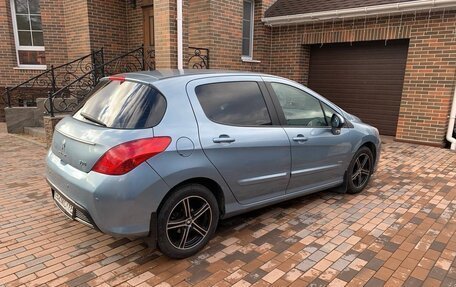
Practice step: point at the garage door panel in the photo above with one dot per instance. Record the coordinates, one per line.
(352, 87)
(364, 78)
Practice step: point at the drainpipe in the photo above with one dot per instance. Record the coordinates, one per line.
(180, 64)
(449, 135)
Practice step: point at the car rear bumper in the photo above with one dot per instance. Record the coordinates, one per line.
(116, 205)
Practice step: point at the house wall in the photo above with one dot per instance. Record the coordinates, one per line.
(108, 26)
(135, 24)
(55, 43)
(430, 71)
(223, 32)
(76, 28)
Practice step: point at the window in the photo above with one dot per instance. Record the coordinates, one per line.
(247, 30)
(329, 112)
(300, 108)
(234, 103)
(123, 105)
(28, 33)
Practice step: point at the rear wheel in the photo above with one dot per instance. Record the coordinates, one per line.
(187, 220)
(359, 171)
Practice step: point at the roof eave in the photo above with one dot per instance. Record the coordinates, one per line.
(376, 10)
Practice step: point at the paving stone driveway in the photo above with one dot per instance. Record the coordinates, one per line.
(401, 230)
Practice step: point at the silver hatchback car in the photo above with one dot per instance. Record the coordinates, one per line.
(165, 154)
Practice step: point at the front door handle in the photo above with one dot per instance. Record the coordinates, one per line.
(223, 139)
(300, 138)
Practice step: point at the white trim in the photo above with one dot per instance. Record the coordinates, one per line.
(376, 10)
(18, 47)
(252, 28)
(249, 60)
(180, 53)
(31, 67)
(31, 48)
(451, 123)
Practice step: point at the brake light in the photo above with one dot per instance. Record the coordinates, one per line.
(125, 157)
(120, 78)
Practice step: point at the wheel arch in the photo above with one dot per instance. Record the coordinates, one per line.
(210, 184)
(371, 146)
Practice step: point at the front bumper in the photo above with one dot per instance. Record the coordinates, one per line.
(117, 205)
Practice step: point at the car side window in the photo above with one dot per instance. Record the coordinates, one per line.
(234, 103)
(329, 112)
(300, 108)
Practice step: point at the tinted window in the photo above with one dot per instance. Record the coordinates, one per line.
(234, 103)
(329, 112)
(125, 105)
(299, 107)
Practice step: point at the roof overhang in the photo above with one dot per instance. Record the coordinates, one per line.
(360, 12)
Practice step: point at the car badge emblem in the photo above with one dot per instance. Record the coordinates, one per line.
(62, 149)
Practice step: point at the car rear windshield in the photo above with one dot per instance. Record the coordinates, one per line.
(123, 105)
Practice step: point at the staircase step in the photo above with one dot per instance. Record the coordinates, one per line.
(37, 132)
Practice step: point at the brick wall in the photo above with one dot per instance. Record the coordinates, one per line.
(430, 71)
(108, 26)
(217, 25)
(76, 28)
(135, 25)
(55, 43)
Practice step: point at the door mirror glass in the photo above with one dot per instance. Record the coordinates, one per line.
(337, 122)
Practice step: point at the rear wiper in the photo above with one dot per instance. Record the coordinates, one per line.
(92, 119)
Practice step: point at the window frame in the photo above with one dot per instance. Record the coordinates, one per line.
(272, 113)
(252, 28)
(280, 112)
(19, 47)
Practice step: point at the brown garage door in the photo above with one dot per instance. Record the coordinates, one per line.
(364, 78)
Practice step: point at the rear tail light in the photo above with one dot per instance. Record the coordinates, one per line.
(120, 78)
(125, 157)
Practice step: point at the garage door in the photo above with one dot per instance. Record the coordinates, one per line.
(364, 78)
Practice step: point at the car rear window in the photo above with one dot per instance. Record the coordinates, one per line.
(234, 103)
(123, 105)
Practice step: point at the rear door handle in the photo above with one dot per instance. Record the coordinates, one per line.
(223, 139)
(300, 138)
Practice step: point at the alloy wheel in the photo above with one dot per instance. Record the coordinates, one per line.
(361, 170)
(189, 222)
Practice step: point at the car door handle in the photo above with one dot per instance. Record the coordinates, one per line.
(300, 138)
(223, 139)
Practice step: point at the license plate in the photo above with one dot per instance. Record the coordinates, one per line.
(65, 205)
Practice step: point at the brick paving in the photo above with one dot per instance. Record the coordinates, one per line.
(400, 231)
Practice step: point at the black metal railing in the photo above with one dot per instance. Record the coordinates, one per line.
(198, 58)
(26, 93)
(67, 98)
(66, 86)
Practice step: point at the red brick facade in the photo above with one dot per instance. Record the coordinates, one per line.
(73, 28)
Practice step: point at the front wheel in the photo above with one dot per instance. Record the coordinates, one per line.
(187, 220)
(360, 170)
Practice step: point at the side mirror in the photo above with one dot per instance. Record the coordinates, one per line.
(337, 122)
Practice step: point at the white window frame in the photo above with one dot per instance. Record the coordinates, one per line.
(252, 26)
(18, 47)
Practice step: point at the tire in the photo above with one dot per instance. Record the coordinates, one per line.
(360, 170)
(186, 221)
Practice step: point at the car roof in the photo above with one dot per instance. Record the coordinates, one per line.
(162, 74)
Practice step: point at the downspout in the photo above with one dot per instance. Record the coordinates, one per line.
(449, 135)
(180, 54)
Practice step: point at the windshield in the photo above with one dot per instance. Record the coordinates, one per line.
(123, 105)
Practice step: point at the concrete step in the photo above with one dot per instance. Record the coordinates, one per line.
(36, 132)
